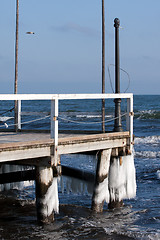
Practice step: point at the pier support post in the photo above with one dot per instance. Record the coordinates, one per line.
(116, 181)
(46, 194)
(101, 192)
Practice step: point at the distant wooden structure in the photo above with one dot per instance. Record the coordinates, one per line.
(45, 154)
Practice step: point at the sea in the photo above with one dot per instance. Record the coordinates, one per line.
(139, 218)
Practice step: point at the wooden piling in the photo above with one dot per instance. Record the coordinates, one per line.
(101, 192)
(44, 179)
(115, 176)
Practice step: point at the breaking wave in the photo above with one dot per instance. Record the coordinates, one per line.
(148, 114)
(147, 140)
(147, 154)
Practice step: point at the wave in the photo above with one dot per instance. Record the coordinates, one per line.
(148, 114)
(92, 116)
(147, 140)
(158, 174)
(147, 154)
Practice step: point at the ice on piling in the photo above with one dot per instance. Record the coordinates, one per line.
(122, 178)
(50, 200)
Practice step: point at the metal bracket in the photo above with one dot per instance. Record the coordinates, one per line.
(131, 114)
(55, 118)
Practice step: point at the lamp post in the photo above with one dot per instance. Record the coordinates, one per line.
(16, 68)
(117, 122)
(103, 66)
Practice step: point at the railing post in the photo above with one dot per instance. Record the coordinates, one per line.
(54, 128)
(19, 115)
(130, 119)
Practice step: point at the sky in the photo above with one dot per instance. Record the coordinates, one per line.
(64, 54)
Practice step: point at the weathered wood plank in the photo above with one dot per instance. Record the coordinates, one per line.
(45, 148)
(91, 146)
(16, 154)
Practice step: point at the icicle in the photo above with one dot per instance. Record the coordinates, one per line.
(102, 192)
(76, 186)
(51, 201)
(131, 177)
(6, 169)
(122, 179)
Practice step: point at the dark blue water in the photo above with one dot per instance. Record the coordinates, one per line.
(138, 219)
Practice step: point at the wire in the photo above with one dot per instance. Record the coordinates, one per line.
(65, 119)
(109, 120)
(35, 120)
(10, 110)
(122, 71)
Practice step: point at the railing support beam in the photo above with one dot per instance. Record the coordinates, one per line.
(54, 130)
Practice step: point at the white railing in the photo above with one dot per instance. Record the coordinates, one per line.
(54, 107)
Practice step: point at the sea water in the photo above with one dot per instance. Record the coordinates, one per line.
(140, 216)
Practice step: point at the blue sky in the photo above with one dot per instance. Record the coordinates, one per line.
(64, 54)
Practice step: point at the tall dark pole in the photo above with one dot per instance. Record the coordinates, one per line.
(16, 66)
(103, 65)
(117, 123)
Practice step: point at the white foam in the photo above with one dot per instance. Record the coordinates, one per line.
(4, 119)
(147, 140)
(158, 174)
(147, 154)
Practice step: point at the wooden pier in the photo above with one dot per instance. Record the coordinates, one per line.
(43, 150)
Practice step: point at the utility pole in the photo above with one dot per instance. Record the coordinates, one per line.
(103, 65)
(16, 67)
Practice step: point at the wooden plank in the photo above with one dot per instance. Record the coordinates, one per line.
(16, 154)
(93, 137)
(63, 141)
(91, 146)
(45, 148)
(25, 145)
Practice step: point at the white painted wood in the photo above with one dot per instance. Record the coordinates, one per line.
(19, 114)
(129, 123)
(127, 117)
(54, 129)
(62, 96)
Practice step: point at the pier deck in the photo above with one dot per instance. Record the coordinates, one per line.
(44, 151)
(21, 146)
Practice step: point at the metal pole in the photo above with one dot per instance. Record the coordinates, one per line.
(16, 67)
(103, 65)
(117, 122)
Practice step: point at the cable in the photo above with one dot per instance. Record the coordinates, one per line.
(121, 70)
(10, 110)
(65, 119)
(110, 120)
(14, 124)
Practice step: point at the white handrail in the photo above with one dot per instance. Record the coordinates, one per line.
(63, 96)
